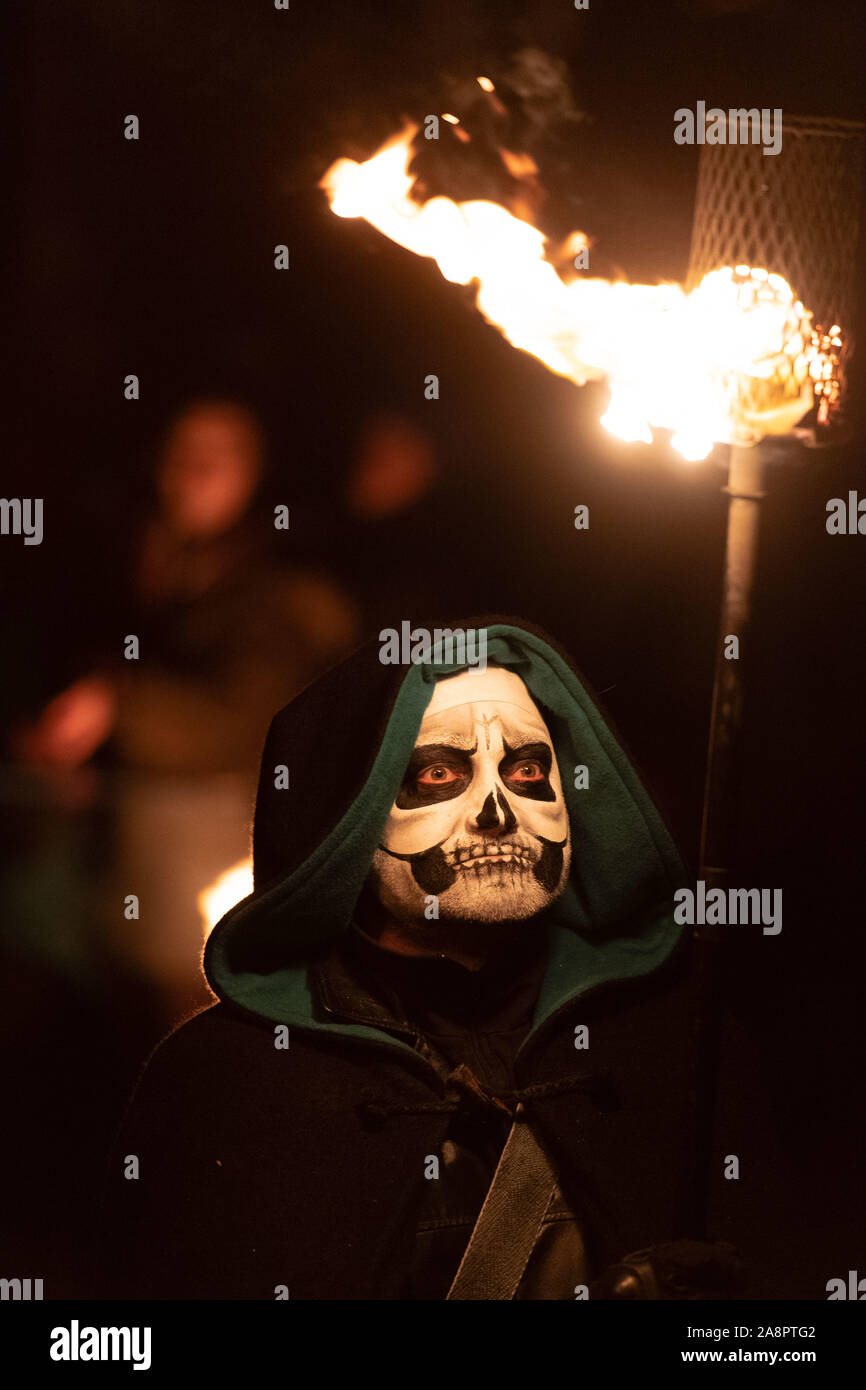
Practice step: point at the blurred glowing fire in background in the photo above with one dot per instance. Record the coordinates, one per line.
(227, 889)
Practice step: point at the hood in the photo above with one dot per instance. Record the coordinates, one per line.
(344, 744)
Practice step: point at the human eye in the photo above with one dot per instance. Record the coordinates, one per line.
(438, 775)
(527, 770)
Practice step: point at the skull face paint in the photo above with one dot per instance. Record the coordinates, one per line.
(480, 820)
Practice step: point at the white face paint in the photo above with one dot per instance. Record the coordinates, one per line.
(480, 821)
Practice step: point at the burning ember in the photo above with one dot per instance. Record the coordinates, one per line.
(732, 361)
(226, 890)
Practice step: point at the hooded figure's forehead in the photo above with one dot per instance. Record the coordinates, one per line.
(459, 700)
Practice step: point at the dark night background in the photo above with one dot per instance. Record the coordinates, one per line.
(156, 257)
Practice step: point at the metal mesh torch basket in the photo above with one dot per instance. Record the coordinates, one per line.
(795, 213)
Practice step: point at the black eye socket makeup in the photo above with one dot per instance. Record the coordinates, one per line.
(537, 787)
(455, 761)
(447, 771)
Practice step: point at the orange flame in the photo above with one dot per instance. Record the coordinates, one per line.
(729, 362)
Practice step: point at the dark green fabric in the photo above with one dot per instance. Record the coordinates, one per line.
(614, 921)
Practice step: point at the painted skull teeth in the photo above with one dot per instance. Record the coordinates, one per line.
(475, 856)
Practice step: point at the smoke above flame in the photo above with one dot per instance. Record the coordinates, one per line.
(731, 361)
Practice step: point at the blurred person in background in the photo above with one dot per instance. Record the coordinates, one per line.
(419, 520)
(226, 628)
(394, 521)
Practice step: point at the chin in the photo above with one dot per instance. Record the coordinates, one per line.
(494, 895)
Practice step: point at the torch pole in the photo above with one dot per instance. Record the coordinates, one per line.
(721, 796)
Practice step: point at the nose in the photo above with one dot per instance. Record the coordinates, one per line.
(495, 816)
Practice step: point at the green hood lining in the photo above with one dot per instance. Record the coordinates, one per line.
(614, 920)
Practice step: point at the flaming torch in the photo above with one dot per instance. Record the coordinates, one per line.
(733, 357)
(730, 361)
(800, 215)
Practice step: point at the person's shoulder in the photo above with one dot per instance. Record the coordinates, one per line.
(220, 1058)
(212, 1029)
(211, 1044)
